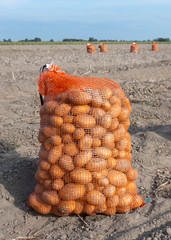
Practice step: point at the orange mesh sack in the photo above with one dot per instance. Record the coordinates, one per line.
(134, 48)
(155, 47)
(103, 47)
(90, 48)
(85, 155)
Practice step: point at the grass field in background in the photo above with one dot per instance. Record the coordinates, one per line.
(75, 43)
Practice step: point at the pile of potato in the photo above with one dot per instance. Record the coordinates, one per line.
(85, 155)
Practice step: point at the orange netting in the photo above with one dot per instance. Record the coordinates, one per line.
(90, 48)
(134, 48)
(155, 47)
(103, 48)
(85, 155)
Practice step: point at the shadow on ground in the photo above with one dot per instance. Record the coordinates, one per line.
(162, 130)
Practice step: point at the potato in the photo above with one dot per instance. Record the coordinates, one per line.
(47, 145)
(128, 136)
(66, 138)
(131, 187)
(136, 202)
(106, 92)
(125, 199)
(101, 208)
(110, 211)
(120, 191)
(68, 128)
(103, 152)
(123, 209)
(123, 145)
(103, 181)
(49, 107)
(123, 165)
(126, 124)
(114, 152)
(56, 172)
(82, 158)
(97, 113)
(95, 197)
(62, 109)
(72, 191)
(109, 190)
(97, 100)
(114, 124)
(115, 100)
(38, 205)
(123, 154)
(96, 164)
(108, 141)
(39, 180)
(39, 189)
(79, 98)
(45, 120)
(42, 174)
(85, 143)
(106, 121)
(70, 149)
(79, 206)
(119, 132)
(89, 187)
(66, 207)
(57, 184)
(81, 175)
(78, 133)
(126, 103)
(68, 119)
(67, 177)
(106, 105)
(41, 138)
(124, 114)
(111, 162)
(54, 154)
(99, 174)
(89, 209)
(66, 162)
(55, 140)
(43, 154)
(50, 197)
(115, 110)
(132, 174)
(117, 178)
(112, 201)
(48, 184)
(81, 109)
(85, 121)
(56, 121)
(96, 142)
(44, 165)
(50, 131)
(98, 131)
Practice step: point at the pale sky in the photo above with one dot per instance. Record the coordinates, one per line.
(101, 19)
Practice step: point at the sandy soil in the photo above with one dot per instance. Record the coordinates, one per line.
(146, 80)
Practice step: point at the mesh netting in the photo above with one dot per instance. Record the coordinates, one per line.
(85, 154)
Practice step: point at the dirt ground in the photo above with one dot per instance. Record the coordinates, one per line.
(146, 80)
